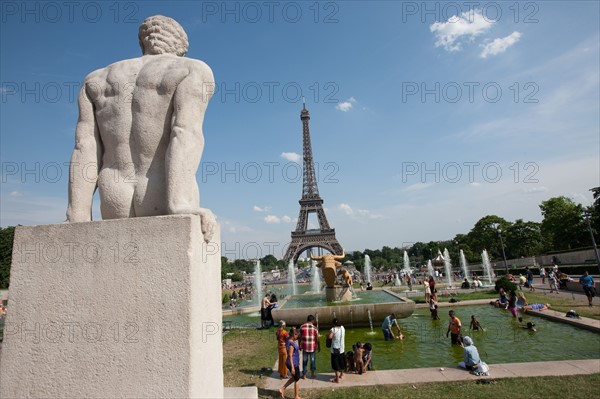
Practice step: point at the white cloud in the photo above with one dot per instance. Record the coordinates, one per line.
(417, 186)
(500, 45)
(291, 156)
(272, 219)
(347, 209)
(534, 190)
(259, 209)
(15, 194)
(362, 213)
(468, 25)
(347, 105)
(286, 219)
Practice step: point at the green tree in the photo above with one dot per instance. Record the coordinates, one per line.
(523, 239)
(6, 244)
(594, 211)
(563, 226)
(485, 235)
(270, 262)
(463, 244)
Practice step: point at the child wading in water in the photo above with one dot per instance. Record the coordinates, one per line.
(433, 308)
(475, 325)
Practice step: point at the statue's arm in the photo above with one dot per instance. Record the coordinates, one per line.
(187, 140)
(186, 145)
(85, 162)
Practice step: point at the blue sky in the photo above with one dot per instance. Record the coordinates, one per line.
(425, 117)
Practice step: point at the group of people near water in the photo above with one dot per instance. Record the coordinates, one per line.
(305, 340)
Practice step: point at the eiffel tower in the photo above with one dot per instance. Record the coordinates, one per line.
(311, 202)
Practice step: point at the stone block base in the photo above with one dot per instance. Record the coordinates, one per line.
(117, 308)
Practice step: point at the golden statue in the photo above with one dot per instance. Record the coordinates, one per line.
(328, 264)
(346, 276)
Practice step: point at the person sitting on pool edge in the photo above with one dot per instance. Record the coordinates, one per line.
(470, 353)
(537, 306)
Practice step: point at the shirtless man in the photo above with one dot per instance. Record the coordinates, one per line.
(139, 134)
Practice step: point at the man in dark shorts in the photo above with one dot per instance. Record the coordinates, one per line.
(454, 328)
(588, 286)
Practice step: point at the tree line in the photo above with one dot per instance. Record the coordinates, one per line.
(563, 227)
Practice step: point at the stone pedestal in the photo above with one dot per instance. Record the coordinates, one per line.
(338, 293)
(117, 308)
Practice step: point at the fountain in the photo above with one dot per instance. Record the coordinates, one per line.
(370, 322)
(292, 277)
(448, 267)
(406, 264)
(258, 282)
(368, 268)
(338, 301)
(397, 282)
(430, 268)
(316, 277)
(487, 267)
(463, 264)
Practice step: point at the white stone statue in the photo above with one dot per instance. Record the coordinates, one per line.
(139, 134)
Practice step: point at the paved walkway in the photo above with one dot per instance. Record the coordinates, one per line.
(414, 376)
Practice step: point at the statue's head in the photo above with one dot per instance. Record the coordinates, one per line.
(162, 35)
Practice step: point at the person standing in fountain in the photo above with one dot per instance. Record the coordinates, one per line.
(386, 327)
(338, 356)
(433, 308)
(309, 343)
(292, 363)
(454, 328)
(282, 336)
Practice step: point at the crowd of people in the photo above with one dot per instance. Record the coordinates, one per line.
(305, 340)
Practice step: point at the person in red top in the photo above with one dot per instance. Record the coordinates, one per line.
(309, 343)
